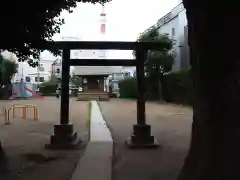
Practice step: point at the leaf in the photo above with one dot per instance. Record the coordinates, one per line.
(162, 59)
(26, 28)
(7, 70)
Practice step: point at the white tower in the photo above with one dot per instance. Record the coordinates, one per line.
(103, 53)
(103, 21)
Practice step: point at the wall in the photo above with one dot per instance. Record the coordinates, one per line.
(25, 70)
(183, 40)
(167, 29)
(57, 68)
(46, 77)
(19, 91)
(176, 19)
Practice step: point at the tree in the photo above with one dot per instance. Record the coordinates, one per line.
(30, 23)
(215, 142)
(158, 62)
(76, 80)
(7, 70)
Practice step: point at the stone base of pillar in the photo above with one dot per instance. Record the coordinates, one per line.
(142, 138)
(64, 138)
(2, 153)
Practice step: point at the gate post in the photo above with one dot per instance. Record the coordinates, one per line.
(141, 137)
(64, 136)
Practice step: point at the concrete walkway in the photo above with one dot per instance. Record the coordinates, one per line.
(96, 163)
(171, 125)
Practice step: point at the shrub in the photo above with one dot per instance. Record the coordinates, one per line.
(47, 89)
(177, 87)
(128, 88)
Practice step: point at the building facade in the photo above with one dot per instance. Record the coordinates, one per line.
(36, 75)
(57, 68)
(174, 24)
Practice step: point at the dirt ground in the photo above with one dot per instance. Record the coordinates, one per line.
(171, 125)
(27, 159)
(24, 140)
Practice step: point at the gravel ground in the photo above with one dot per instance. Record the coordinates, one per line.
(171, 125)
(24, 140)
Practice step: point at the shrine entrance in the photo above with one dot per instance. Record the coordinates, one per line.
(64, 136)
(93, 88)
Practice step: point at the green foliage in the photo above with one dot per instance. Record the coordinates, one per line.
(76, 80)
(158, 62)
(49, 87)
(177, 87)
(7, 70)
(128, 88)
(32, 23)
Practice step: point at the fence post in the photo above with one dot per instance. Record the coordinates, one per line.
(35, 112)
(24, 112)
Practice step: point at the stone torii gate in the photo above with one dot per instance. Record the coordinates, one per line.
(64, 136)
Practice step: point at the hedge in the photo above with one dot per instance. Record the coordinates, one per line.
(47, 89)
(176, 88)
(128, 88)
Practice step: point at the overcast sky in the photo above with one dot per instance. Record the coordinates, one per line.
(125, 20)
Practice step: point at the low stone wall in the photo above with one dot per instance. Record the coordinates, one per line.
(87, 96)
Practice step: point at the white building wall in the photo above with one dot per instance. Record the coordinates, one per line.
(170, 28)
(173, 24)
(24, 70)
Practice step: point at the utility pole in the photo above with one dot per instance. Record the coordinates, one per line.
(38, 76)
(22, 73)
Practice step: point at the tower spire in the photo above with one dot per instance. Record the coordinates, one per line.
(103, 20)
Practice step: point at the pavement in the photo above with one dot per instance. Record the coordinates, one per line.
(24, 142)
(96, 163)
(171, 125)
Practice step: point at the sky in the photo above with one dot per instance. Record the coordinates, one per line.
(126, 19)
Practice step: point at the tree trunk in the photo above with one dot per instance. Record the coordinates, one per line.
(158, 84)
(215, 143)
(160, 87)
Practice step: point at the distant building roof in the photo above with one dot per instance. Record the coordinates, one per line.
(169, 16)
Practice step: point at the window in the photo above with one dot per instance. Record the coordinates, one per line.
(41, 68)
(126, 74)
(173, 31)
(27, 79)
(41, 65)
(36, 79)
(58, 70)
(41, 79)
